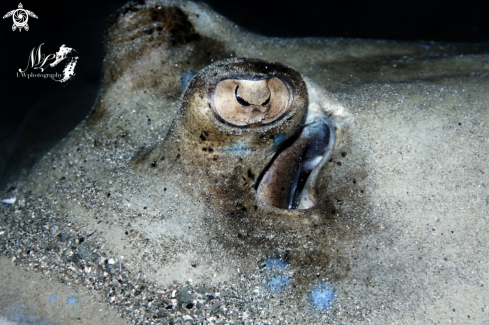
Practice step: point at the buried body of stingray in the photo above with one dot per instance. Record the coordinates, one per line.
(255, 135)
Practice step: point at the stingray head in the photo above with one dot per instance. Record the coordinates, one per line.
(250, 119)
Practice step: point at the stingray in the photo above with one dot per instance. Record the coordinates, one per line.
(227, 175)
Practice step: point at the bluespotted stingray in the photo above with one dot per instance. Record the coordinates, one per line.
(359, 165)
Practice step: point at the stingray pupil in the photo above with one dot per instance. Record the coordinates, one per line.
(239, 99)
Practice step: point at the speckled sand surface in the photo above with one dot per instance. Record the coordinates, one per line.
(30, 298)
(409, 183)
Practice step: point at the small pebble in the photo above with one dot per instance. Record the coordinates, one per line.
(84, 254)
(52, 246)
(64, 236)
(184, 296)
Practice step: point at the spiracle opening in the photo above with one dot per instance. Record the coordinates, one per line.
(289, 181)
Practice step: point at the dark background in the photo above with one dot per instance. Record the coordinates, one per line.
(37, 113)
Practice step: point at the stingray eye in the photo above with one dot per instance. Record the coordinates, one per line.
(247, 102)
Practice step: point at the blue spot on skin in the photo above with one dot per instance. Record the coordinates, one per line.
(279, 139)
(52, 298)
(277, 284)
(186, 77)
(322, 297)
(275, 262)
(277, 281)
(71, 300)
(238, 149)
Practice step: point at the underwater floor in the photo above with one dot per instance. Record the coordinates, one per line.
(178, 199)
